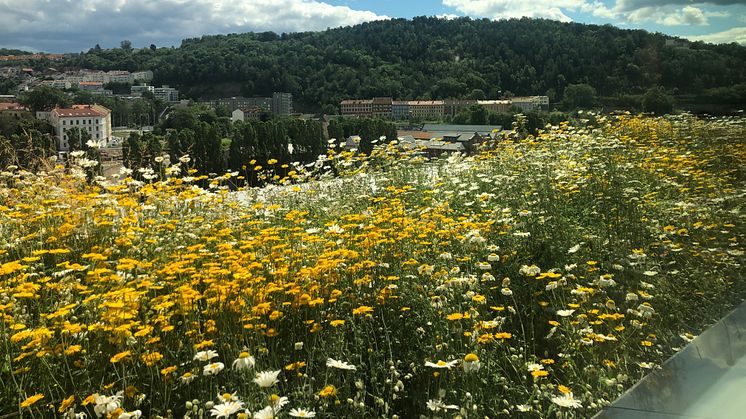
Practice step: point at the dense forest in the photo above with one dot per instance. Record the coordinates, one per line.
(427, 57)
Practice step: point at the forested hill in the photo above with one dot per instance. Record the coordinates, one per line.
(435, 58)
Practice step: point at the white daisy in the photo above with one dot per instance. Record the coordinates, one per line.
(226, 409)
(302, 413)
(567, 400)
(213, 369)
(342, 365)
(266, 379)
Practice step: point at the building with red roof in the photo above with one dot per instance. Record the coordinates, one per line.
(92, 119)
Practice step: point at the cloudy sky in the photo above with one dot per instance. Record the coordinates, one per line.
(77, 25)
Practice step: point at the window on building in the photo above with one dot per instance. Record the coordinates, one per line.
(64, 122)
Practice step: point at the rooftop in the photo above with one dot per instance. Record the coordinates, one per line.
(7, 106)
(77, 111)
(446, 128)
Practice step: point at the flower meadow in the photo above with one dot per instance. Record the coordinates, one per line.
(540, 277)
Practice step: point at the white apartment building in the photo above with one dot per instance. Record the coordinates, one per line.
(166, 94)
(139, 90)
(93, 119)
(529, 103)
(120, 77)
(146, 75)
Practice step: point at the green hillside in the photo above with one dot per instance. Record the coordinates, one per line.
(428, 57)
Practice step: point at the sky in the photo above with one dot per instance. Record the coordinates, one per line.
(77, 25)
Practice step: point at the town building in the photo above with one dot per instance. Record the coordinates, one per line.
(449, 130)
(381, 107)
(432, 110)
(282, 103)
(357, 107)
(496, 106)
(245, 114)
(93, 119)
(166, 94)
(427, 110)
(13, 109)
(57, 84)
(137, 91)
(146, 75)
(90, 85)
(239, 102)
(400, 110)
(530, 103)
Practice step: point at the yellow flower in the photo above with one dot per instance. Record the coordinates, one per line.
(168, 371)
(151, 358)
(362, 310)
(539, 373)
(66, 404)
(120, 356)
(336, 323)
(328, 391)
(31, 400)
(471, 358)
(563, 389)
(455, 316)
(204, 344)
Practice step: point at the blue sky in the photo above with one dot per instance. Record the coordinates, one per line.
(70, 26)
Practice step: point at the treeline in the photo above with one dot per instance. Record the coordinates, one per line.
(434, 58)
(215, 145)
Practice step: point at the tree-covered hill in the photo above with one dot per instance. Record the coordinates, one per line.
(428, 57)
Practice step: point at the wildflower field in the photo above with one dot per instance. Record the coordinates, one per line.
(539, 278)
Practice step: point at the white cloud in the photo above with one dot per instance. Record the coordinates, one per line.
(93, 21)
(689, 15)
(448, 16)
(664, 12)
(504, 9)
(629, 5)
(731, 35)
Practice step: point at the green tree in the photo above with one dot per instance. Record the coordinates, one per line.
(579, 96)
(657, 101)
(77, 138)
(44, 98)
(477, 115)
(477, 94)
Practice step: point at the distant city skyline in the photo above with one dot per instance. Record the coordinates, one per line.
(61, 26)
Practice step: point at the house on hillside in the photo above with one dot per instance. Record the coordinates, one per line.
(93, 119)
